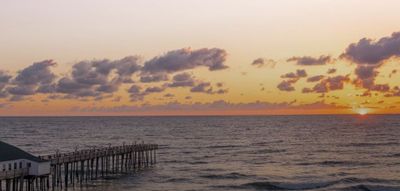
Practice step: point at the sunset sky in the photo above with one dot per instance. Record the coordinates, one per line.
(190, 57)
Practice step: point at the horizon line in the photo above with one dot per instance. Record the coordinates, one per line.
(199, 115)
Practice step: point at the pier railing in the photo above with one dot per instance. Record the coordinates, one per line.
(97, 152)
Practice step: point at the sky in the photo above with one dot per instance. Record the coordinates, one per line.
(210, 57)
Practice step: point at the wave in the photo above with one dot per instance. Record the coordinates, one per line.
(223, 146)
(286, 186)
(178, 180)
(336, 163)
(265, 151)
(396, 155)
(198, 162)
(351, 183)
(233, 175)
(370, 144)
(365, 187)
(266, 143)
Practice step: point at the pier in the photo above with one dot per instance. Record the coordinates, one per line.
(79, 167)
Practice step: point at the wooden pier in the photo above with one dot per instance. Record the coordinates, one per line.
(79, 167)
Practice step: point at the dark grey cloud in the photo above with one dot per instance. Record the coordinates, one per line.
(369, 55)
(331, 71)
(310, 61)
(126, 67)
(292, 77)
(393, 72)
(136, 93)
(297, 75)
(370, 52)
(366, 75)
(156, 89)
(315, 78)
(182, 80)
(97, 77)
(4, 80)
(36, 74)
(184, 59)
(204, 87)
(32, 79)
(260, 62)
(328, 84)
(169, 95)
(134, 89)
(287, 85)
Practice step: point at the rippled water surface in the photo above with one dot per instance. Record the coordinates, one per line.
(232, 153)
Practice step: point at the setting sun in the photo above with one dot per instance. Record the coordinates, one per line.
(362, 111)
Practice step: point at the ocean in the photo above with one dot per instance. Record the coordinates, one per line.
(322, 152)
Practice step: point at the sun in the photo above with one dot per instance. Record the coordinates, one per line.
(362, 111)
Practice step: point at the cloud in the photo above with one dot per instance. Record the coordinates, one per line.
(328, 84)
(182, 80)
(369, 55)
(370, 52)
(331, 71)
(291, 79)
(395, 92)
(310, 61)
(36, 74)
(126, 67)
(96, 77)
(169, 95)
(154, 78)
(366, 75)
(315, 78)
(4, 80)
(260, 62)
(393, 72)
(185, 59)
(136, 93)
(100, 79)
(206, 87)
(150, 90)
(297, 75)
(32, 79)
(286, 85)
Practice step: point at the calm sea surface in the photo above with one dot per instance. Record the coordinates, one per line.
(232, 153)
